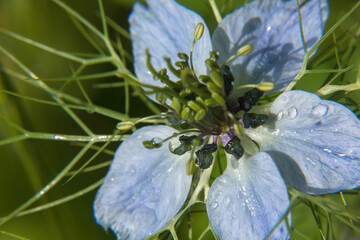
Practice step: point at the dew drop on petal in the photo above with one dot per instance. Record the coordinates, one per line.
(280, 115)
(283, 98)
(214, 205)
(227, 201)
(222, 181)
(293, 112)
(320, 110)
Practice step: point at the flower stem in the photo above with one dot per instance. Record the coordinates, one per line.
(215, 10)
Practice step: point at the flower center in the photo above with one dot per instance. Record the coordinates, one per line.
(203, 102)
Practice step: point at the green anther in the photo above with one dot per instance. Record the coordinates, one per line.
(160, 97)
(211, 102)
(213, 88)
(244, 50)
(218, 99)
(186, 92)
(163, 72)
(216, 78)
(185, 113)
(200, 115)
(124, 126)
(265, 86)
(192, 116)
(205, 78)
(183, 56)
(202, 103)
(212, 65)
(176, 105)
(214, 55)
(151, 144)
(181, 64)
(199, 30)
(195, 106)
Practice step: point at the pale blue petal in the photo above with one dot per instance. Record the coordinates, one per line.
(144, 188)
(165, 28)
(248, 200)
(315, 143)
(273, 28)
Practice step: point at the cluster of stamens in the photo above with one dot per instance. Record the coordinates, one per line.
(204, 103)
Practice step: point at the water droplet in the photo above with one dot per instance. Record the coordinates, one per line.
(132, 170)
(112, 179)
(320, 110)
(222, 181)
(293, 112)
(227, 201)
(214, 205)
(283, 98)
(280, 115)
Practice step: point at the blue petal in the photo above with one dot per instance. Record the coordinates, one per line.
(314, 142)
(273, 28)
(248, 200)
(144, 188)
(165, 28)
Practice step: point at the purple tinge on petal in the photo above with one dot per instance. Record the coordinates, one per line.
(165, 28)
(144, 188)
(248, 200)
(273, 28)
(315, 143)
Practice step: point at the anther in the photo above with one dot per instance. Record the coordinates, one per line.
(249, 99)
(254, 120)
(234, 148)
(240, 52)
(228, 79)
(204, 156)
(199, 30)
(185, 146)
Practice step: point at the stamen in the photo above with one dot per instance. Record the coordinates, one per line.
(204, 156)
(254, 120)
(240, 52)
(249, 99)
(161, 74)
(185, 146)
(228, 79)
(199, 30)
(234, 148)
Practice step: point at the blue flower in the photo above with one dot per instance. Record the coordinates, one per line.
(309, 143)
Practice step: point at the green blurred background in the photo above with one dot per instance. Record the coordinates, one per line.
(27, 166)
